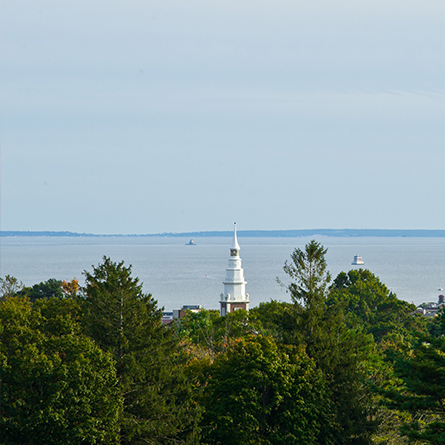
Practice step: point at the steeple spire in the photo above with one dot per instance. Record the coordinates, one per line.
(234, 296)
(234, 250)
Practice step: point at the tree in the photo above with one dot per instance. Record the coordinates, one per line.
(45, 289)
(150, 362)
(254, 393)
(210, 333)
(309, 270)
(436, 326)
(367, 301)
(198, 329)
(340, 352)
(270, 318)
(10, 287)
(56, 385)
(420, 388)
(70, 288)
(62, 315)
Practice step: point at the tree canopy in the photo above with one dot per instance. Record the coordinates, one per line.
(256, 393)
(341, 363)
(368, 302)
(340, 352)
(150, 362)
(56, 386)
(420, 387)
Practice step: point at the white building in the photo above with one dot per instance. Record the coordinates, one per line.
(234, 296)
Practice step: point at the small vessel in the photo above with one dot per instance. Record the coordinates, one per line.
(357, 260)
(191, 243)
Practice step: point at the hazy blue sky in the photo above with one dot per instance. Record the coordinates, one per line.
(139, 116)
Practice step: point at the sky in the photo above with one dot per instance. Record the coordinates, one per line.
(140, 116)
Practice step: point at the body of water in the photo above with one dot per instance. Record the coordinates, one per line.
(176, 274)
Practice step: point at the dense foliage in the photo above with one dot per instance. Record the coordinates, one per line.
(258, 393)
(149, 360)
(368, 302)
(344, 363)
(57, 386)
(342, 353)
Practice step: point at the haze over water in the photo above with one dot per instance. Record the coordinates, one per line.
(177, 274)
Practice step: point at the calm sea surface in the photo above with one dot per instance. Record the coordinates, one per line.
(176, 274)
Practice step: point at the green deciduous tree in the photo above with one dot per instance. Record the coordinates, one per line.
(150, 362)
(198, 329)
(270, 318)
(210, 333)
(256, 393)
(367, 301)
(56, 385)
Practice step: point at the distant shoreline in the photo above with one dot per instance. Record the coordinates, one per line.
(349, 233)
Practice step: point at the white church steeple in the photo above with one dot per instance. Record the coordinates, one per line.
(234, 296)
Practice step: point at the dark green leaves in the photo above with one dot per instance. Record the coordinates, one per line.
(258, 394)
(340, 352)
(369, 303)
(421, 388)
(150, 362)
(54, 388)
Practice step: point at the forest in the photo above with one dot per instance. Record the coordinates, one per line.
(345, 362)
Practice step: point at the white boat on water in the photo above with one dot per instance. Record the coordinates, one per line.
(191, 243)
(357, 260)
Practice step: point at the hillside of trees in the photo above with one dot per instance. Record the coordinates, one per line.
(344, 363)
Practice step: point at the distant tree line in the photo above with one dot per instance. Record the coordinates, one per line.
(344, 363)
(293, 233)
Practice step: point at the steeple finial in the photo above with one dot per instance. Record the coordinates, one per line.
(235, 244)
